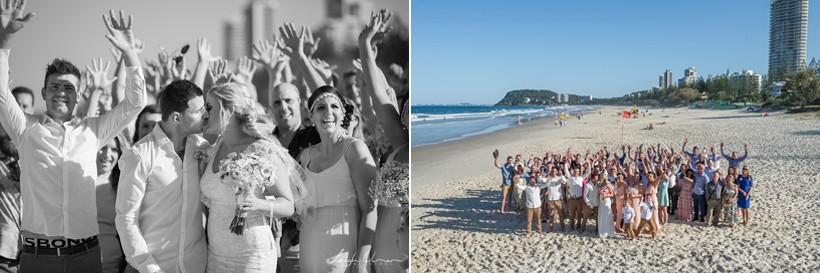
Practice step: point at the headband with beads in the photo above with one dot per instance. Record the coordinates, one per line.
(325, 95)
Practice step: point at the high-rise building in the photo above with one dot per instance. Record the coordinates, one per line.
(665, 80)
(690, 76)
(788, 31)
(235, 38)
(256, 23)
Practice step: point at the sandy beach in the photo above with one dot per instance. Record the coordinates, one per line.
(456, 198)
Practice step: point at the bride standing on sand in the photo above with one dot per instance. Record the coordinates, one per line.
(231, 115)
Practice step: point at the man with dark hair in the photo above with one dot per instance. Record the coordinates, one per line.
(24, 98)
(58, 174)
(159, 217)
(350, 87)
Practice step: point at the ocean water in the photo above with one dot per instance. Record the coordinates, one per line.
(437, 124)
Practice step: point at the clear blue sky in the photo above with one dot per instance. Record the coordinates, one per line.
(74, 29)
(476, 51)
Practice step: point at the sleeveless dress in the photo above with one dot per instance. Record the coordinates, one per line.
(388, 255)
(635, 203)
(253, 251)
(329, 231)
(663, 193)
(620, 198)
(729, 206)
(685, 210)
(606, 226)
(745, 183)
(651, 193)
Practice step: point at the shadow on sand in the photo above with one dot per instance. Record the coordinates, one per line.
(477, 211)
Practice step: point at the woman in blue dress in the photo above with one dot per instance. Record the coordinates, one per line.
(745, 192)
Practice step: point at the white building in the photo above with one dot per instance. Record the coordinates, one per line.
(690, 76)
(754, 80)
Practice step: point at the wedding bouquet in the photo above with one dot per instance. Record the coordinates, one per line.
(392, 183)
(246, 172)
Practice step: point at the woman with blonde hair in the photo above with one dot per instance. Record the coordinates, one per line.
(232, 115)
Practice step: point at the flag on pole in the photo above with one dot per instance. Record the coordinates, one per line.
(627, 114)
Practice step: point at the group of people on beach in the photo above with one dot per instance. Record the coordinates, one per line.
(630, 192)
(110, 182)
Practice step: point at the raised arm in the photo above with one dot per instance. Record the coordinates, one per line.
(12, 117)
(122, 37)
(203, 52)
(295, 49)
(98, 85)
(745, 153)
(130, 194)
(388, 114)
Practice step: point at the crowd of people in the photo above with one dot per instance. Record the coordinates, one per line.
(124, 173)
(628, 192)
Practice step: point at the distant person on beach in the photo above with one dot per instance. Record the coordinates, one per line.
(730, 193)
(506, 181)
(745, 183)
(685, 203)
(533, 203)
(576, 181)
(591, 200)
(714, 198)
(694, 156)
(627, 214)
(647, 209)
(734, 161)
(606, 226)
(555, 196)
(699, 193)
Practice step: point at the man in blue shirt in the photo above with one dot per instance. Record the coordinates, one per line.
(506, 181)
(694, 156)
(734, 161)
(699, 193)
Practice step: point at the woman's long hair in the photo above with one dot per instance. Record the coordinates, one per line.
(114, 178)
(149, 109)
(233, 102)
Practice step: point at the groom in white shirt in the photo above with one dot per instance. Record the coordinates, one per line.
(159, 212)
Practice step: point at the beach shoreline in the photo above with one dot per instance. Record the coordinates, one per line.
(456, 198)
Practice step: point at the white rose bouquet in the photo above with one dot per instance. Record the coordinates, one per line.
(245, 172)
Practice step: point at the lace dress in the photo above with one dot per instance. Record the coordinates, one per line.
(329, 231)
(253, 251)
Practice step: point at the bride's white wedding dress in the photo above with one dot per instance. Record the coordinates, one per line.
(253, 251)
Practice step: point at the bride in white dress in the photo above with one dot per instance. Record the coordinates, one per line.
(231, 115)
(606, 225)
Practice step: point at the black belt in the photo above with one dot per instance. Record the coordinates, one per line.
(63, 250)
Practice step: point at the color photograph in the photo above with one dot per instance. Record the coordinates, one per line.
(615, 136)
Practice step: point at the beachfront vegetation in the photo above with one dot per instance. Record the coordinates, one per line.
(530, 97)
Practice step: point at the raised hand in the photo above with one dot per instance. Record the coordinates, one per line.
(245, 70)
(11, 20)
(203, 51)
(324, 69)
(268, 54)
(220, 73)
(377, 25)
(121, 35)
(98, 75)
(294, 44)
(311, 43)
(178, 70)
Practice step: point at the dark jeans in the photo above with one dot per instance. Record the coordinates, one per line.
(700, 207)
(88, 261)
(673, 201)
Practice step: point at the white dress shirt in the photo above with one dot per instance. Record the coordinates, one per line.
(159, 212)
(555, 188)
(646, 210)
(591, 195)
(58, 169)
(533, 194)
(628, 213)
(576, 183)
